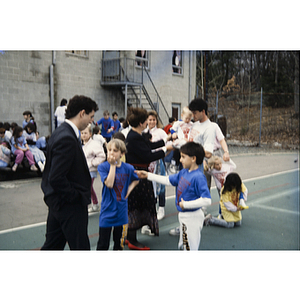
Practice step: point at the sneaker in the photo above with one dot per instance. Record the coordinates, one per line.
(41, 166)
(146, 230)
(207, 219)
(175, 231)
(242, 204)
(160, 213)
(93, 208)
(33, 168)
(14, 168)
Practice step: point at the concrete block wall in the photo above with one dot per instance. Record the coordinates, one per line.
(25, 83)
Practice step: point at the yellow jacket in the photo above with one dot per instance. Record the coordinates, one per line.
(229, 203)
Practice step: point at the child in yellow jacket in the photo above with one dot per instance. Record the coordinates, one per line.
(232, 201)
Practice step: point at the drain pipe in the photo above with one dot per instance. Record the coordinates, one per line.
(190, 75)
(52, 127)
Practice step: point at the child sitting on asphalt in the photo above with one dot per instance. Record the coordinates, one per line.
(191, 194)
(232, 201)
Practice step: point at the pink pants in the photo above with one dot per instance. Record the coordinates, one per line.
(20, 156)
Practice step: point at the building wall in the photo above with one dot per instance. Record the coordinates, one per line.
(25, 83)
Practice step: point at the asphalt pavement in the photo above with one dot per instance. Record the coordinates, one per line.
(257, 260)
(23, 212)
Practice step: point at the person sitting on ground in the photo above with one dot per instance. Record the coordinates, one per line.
(3, 136)
(8, 133)
(31, 140)
(28, 118)
(19, 148)
(42, 141)
(232, 201)
(4, 155)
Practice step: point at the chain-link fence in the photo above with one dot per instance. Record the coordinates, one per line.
(243, 118)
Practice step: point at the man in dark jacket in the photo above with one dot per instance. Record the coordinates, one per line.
(66, 181)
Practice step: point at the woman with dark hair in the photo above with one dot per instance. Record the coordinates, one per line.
(232, 201)
(141, 202)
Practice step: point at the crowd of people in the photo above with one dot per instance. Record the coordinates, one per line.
(136, 159)
(22, 145)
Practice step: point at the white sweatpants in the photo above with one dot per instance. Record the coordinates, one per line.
(191, 223)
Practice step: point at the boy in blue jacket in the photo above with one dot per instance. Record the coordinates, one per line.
(191, 194)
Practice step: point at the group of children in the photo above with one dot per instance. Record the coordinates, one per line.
(21, 142)
(192, 192)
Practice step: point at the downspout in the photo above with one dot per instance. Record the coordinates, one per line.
(190, 76)
(52, 127)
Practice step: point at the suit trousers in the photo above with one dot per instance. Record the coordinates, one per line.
(67, 225)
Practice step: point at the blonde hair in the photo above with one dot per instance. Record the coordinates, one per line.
(186, 112)
(212, 160)
(89, 128)
(120, 145)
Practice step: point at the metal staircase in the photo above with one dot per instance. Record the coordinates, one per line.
(135, 83)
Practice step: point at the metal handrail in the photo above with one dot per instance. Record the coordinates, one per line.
(158, 96)
(123, 70)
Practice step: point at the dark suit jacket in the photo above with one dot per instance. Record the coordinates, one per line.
(66, 177)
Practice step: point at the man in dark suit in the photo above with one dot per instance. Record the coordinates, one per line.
(66, 181)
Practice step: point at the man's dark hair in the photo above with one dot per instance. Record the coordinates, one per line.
(193, 149)
(79, 103)
(114, 113)
(198, 104)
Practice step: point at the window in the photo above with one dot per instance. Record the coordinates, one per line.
(176, 111)
(142, 57)
(82, 53)
(177, 62)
